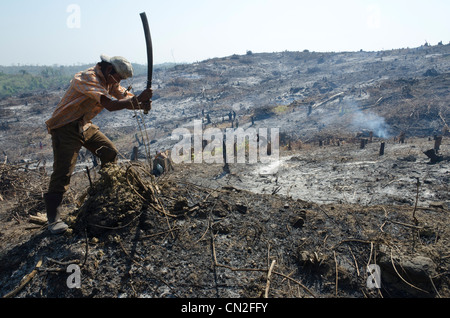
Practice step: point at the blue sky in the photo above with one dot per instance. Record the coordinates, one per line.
(77, 31)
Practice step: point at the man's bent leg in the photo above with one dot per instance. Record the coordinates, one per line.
(97, 143)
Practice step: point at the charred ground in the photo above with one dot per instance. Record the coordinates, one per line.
(331, 208)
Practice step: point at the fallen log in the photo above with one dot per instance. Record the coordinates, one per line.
(328, 100)
(39, 218)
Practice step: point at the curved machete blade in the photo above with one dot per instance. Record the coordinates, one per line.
(148, 40)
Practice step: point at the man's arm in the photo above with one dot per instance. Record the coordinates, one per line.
(140, 102)
(115, 105)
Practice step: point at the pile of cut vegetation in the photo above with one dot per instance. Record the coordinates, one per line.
(116, 199)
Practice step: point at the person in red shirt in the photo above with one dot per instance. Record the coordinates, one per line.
(71, 128)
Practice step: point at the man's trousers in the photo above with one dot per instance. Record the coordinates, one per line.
(67, 142)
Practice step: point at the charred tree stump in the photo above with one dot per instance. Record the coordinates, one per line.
(401, 137)
(437, 143)
(134, 154)
(363, 143)
(382, 149)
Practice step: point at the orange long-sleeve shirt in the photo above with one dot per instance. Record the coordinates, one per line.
(82, 99)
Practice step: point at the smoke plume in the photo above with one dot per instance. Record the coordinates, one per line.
(372, 122)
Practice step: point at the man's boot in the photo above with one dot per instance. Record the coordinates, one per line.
(53, 206)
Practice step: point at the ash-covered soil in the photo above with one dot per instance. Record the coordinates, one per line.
(321, 213)
(197, 232)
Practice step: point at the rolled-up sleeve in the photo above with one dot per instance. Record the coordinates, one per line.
(120, 92)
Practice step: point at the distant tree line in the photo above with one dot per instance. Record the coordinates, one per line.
(16, 84)
(21, 79)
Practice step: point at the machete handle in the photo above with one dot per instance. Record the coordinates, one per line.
(148, 42)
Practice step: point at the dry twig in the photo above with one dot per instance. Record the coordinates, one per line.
(269, 273)
(336, 268)
(25, 280)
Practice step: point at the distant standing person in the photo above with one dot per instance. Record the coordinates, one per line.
(71, 128)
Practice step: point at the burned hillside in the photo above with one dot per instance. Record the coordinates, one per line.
(308, 94)
(308, 224)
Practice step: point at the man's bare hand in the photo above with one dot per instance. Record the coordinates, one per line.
(145, 96)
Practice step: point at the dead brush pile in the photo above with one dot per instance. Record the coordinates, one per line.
(117, 198)
(21, 184)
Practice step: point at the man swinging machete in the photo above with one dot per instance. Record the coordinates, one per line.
(71, 128)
